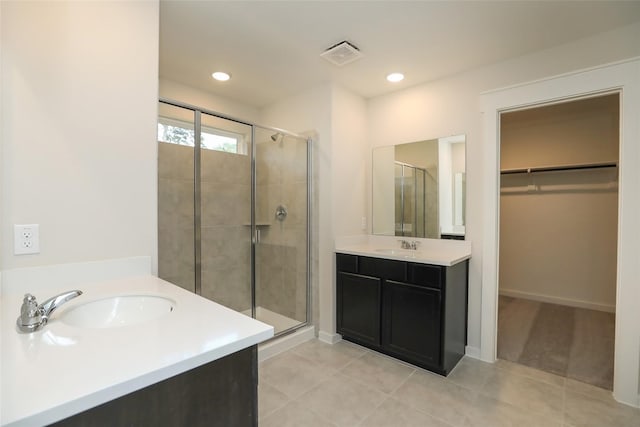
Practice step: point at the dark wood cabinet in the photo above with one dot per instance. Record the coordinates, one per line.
(411, 322)
(220, 393)
(412, 311)
(360, 295)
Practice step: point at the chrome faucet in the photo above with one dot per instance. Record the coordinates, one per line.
(413, 245)
(33, 316)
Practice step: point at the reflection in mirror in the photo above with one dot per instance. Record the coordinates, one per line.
(418, 189)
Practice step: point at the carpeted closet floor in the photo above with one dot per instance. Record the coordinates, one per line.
(573, 342)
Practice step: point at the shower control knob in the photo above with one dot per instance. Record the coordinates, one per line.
(281, 212)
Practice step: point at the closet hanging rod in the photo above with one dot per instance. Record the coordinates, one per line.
(559, 168)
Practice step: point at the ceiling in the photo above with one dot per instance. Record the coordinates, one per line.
(272, 48)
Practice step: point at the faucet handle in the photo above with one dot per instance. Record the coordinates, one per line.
(30, 314)
(29, 306)
(415, 244)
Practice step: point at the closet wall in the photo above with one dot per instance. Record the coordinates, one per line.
(558, 230)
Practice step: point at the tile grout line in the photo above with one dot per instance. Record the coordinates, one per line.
(274, 410)
(348, 379)
(391, 393)
(298, 401)
(387, 397)
(568, 393)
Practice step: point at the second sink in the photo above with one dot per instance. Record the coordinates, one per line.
(396, 251)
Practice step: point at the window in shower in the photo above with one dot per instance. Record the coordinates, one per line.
(181, 133)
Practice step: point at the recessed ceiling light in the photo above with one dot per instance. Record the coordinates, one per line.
(221, 76)
(395, 77)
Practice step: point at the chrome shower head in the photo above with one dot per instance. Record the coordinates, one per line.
(275, 136)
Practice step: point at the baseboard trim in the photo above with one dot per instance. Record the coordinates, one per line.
(328, 337)
(558, 300)
(473, 352)
(278, 345)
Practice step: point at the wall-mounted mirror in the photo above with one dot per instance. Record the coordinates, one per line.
(419, 189)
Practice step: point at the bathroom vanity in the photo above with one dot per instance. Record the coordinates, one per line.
(194, 365)
(409, 304)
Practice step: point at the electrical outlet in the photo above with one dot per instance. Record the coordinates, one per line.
(26, 239)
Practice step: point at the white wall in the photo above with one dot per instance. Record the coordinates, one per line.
(558, 242)
(351, 196)
(451, 106)
(78, 129)
(186, 94)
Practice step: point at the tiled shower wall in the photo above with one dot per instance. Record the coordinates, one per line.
(175, 215)
(226, 241)
(226, 230)
(281, 256)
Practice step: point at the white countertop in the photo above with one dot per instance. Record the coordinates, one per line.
(61, 370)
(430, 251)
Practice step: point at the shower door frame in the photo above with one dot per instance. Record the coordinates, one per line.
(404, 165)
(197, 111)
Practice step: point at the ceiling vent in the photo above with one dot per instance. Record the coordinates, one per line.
(342, 53)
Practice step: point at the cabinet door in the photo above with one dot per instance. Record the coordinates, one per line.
(358, 308)
(411, 322)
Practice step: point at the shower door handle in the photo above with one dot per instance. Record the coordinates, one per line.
(257, 235)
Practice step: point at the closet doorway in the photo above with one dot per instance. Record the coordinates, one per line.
(558, 237)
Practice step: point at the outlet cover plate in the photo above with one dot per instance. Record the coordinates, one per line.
(26, 239)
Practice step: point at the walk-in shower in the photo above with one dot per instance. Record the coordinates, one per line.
(410, 200)
(233, 213)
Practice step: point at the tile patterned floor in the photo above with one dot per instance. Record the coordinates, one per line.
(317, 384)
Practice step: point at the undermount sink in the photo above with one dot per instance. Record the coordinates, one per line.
(396, 251)
(113, 312)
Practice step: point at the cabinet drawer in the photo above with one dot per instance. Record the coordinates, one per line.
(383, 268)
(347, 263)
(427, 275)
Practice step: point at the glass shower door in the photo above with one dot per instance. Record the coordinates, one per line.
(176, 217)
(225, 213)
(233, 213)
(281, 218)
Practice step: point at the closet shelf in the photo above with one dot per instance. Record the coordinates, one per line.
(559, 168)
